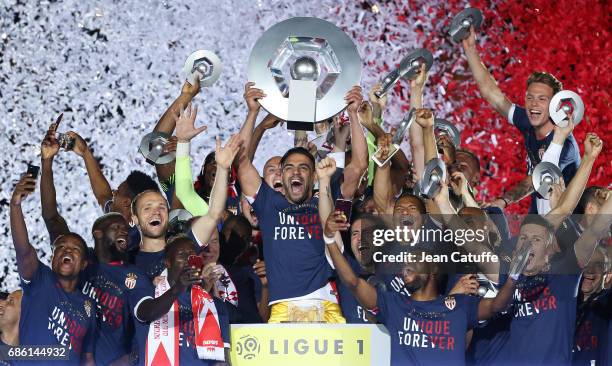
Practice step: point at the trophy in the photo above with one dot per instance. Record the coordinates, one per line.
(152, 146)
(460, 26)
(398, 137)
(445, 127)
(433, 176)
(409, 68)
(564, 103)
(305, 66)
(203, 65)
(544, 176)
(178, 221)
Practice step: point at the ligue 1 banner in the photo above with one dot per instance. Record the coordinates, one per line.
(309, 344)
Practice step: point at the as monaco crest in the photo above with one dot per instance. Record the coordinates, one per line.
(450, 302)
(130, 280)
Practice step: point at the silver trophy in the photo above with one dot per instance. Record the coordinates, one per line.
(409, 68)
(152, 148)
(305, 66)
(544, 176)
(397, 139)
(449, 129)
(564, 103)
(203, 65)
(460, 26)
(434, 175)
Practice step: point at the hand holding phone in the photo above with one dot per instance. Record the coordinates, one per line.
(33, 171)
(195, 261)
(344, 206)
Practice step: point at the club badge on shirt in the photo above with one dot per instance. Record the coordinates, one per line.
(87, 306)
(450, 302)
(130, 280)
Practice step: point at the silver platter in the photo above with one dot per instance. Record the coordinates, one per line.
(345, 53)
(433, 176)
(151, 147)
(461, 23)
(544, 176)
(559, 105)
(449, 129)
(209, 68)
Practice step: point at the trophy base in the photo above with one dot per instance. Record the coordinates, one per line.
(302, 126)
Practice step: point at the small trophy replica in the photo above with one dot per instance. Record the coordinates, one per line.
(564, 103)
(203, 65)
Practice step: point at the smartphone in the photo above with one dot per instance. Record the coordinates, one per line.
(393, 149)
(33, 170)
(344, 206)
(196, 261)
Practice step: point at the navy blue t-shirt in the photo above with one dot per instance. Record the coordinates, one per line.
(592, 328)
(151, 263)
(109, 285)
(353, 312)
(427, 332)
(293, 243)
(187, 350)
(52, 316)
(543, 317)
(570, 153)
(248, 286)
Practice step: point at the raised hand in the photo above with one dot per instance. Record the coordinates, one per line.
(80, 146)
(191, 90)
(260, 270)
(424, 118)
(555, 194)
(185, 124)
(251, 95)
(50, 146)
(420, 80)
(384, 147)
(467, 285)
(458, 183)
(335, 222)
(25, 187)
(354, 99)
(270, 121)
(341, 132)
(226, 154)
(470, 41)
(326, 168)
(211, 273)
(366, 114)
(592, 145)
(561, 133)
(189, 276)
(171, 145)
(377, 102)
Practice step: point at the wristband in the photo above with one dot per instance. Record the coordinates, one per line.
(515, 276)
(329, 241)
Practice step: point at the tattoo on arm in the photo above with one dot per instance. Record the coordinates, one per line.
(519, 191)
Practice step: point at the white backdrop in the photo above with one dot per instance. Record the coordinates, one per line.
(113, 67)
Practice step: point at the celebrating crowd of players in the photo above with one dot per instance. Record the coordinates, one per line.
(150, 287)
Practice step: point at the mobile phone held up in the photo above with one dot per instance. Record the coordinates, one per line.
(195, 261)
(33, 171)
(344, 206)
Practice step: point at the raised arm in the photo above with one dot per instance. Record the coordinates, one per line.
(486, 83)
(417, 86)
(185, 131)
(99, 185)
(363, 291)
(248, 177)
(359, 146)
(585, 245)
(489, 307)
(325, 169)
(167, 123)
(425, 119)
(55, 223)
(383, 191)
(27, 261)
(569, 199)
(268, 123)
(203, 226)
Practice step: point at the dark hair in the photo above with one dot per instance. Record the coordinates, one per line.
(102, 221)
(298, 150)
(137, 197)
(470, 154)
(587, 197)
(421, 204)
(540, 221)
(174, 242)
(545, 78)
(139, 182)
(76, 236)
